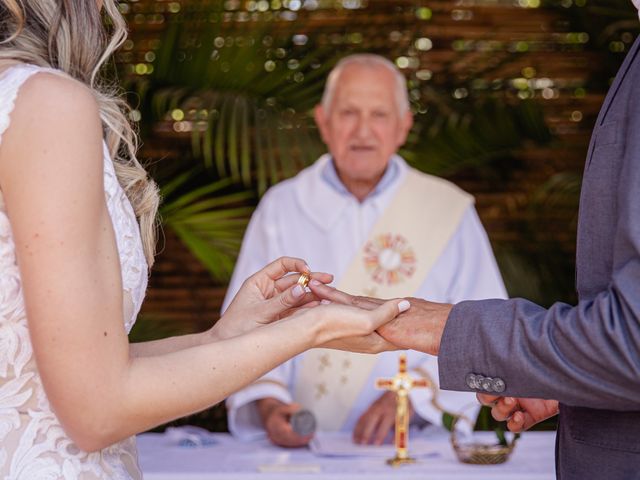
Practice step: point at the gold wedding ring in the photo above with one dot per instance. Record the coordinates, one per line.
(303, 281)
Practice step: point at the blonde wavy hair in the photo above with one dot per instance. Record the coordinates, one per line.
(72, 36)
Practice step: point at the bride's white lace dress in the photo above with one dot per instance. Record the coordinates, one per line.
(33, 445)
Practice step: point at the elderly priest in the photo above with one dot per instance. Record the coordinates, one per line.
(385, 230)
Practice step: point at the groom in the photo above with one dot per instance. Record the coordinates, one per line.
(584, 360)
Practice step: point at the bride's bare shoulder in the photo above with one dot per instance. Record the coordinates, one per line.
(55, 119)
(49, 92)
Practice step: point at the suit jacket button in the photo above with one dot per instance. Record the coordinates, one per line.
(471, 381)
(487, 384)
(498, 385)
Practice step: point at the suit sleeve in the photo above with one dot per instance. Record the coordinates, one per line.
(586, 355)
(430, 409)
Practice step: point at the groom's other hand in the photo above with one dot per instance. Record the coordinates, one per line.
(519, 413)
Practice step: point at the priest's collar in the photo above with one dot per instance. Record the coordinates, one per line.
(325, 197)
(330, 176)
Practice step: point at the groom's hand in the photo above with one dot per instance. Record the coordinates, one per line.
(519, 413)
(419, 328)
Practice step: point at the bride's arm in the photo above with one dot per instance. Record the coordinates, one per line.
(171, 344)
(51, 176)
(248, 309)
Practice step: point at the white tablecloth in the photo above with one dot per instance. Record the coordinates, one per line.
(228, 459)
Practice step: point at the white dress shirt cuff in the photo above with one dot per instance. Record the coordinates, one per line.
(243, 417)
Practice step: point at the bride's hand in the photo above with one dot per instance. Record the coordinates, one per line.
(371, 343)
(347, 327)
(266, 296)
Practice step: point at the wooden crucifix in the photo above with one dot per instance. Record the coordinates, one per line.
(401, 384)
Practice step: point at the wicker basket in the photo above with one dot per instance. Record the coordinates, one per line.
(479, 453)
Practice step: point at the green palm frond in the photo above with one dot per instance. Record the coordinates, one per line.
(540, 268)
(604, 20)
(245, 101)
(476, 138)
(560, 194)
(210, 220)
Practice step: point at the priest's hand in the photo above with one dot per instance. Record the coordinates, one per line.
(419, 328)
(275, 418)
(266, 296)
(520, 413)
(378, 421)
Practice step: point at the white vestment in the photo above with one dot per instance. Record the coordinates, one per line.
(308, 217)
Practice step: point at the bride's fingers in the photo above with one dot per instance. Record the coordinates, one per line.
(292, 297)
(322, 277)
(291, 279)
(293, 311)
(388, 311)
(382, 344)
(372, 300)
(365, 303)
(283, 265)
(287, 281)
(329, 293)
(372, 343)
(337, 296)
(313, 303)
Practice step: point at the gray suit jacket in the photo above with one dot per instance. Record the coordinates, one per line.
(586, 356)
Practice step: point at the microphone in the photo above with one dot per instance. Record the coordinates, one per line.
(303, 422)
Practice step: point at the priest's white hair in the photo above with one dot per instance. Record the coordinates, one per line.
(368, 60)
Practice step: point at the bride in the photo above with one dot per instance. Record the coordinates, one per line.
(77, 215)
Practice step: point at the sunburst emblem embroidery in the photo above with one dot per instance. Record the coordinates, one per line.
(389, 259)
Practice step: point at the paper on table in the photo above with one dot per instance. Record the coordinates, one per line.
(340, 444)
(289, 468)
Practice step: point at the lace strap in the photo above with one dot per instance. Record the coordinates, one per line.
(10, 82)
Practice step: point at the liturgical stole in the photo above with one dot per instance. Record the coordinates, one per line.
(394, 262)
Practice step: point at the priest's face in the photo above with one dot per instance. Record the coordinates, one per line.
(363, 126)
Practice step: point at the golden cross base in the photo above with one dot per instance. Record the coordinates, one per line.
(397, 461)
